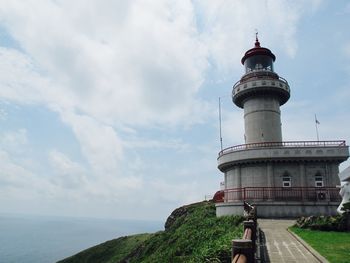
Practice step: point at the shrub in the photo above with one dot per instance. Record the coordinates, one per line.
(325, 223)
(346, 207)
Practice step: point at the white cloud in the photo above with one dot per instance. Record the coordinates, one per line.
(106, 177)
(3, 114)
(143, 62)
(12, 174)
(99, 142)
(14, 140)
(232, 127)
(21, 82)
(179, 193)
(231, 25)
(173, 144)
(144, 68)
(66, 173)
(21, 189)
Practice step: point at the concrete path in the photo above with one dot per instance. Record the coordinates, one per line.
(280, 245)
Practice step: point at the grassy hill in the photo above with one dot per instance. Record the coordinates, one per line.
(192, 234)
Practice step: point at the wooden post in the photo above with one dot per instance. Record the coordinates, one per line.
(243, 246)
(251, 224)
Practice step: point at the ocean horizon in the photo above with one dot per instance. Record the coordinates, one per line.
(46, 239)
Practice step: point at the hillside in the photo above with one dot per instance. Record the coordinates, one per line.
(192, 234)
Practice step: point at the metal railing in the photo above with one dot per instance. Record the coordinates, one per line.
(258, 76)
(298, 194)
(337, 143)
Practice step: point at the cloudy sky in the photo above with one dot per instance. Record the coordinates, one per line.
(110, 108)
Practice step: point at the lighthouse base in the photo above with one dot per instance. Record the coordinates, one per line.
(273, 209)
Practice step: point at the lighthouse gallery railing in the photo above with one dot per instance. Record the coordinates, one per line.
(258, 75)
(291, 144)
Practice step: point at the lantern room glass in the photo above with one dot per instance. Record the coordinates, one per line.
(258, 62)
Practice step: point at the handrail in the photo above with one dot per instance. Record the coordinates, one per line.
(281, 187)
(299, 194)
(248, 146)
(257, 77)
(243, 250)
(247, 234)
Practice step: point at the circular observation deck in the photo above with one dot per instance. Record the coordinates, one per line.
(260, 83)
(282, 151)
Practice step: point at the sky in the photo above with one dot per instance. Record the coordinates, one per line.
(109, 109)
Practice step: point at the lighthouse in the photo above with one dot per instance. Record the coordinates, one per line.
(282, 178)
(261, 92)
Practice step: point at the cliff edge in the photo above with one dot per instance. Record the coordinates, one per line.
(192, 233)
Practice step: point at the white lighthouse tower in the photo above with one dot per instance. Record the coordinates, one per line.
(283, 178)
(260, 92)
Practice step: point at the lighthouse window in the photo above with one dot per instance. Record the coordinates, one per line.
(287, 181)
(318, 181)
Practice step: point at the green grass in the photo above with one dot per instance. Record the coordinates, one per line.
(334, 246)
(111, 251)
(195, 235)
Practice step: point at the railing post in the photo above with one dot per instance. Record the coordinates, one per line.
(302, 193)
(243, 246)
(263, 194)
(252, 225)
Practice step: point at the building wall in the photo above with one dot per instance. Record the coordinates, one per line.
(280, 209)
(270, 174)
(254, 175)
(262, 120)
(334, 170)
(328, 171)
(286, 169)
(231, 178)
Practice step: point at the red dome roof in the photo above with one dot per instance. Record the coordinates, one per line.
(257, 50)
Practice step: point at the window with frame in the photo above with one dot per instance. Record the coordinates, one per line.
(286, 181)
(318, 181)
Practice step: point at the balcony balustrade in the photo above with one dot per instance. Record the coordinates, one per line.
(290, 144)
(283, 194)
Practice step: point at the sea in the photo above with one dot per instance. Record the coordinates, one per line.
(46, 239)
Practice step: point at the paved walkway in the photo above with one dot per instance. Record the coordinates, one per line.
(280, 245)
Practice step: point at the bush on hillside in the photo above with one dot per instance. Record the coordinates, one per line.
(192, 234)
(324, 223)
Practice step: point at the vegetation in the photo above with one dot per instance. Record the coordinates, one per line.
(346, 207)
(192, 234)
(111, 251)
(325, 223)
(326, 234)
(334, 246)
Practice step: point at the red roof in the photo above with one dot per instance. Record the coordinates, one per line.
(258, 50)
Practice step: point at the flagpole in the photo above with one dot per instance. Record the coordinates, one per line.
(220, 122)
(316, 122)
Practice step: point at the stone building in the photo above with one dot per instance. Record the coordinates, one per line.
(283, 178)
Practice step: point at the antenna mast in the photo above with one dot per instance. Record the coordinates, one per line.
(220, 122)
